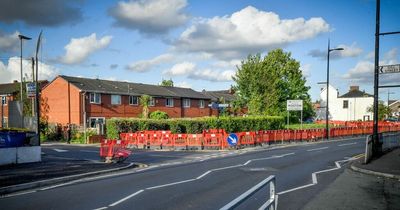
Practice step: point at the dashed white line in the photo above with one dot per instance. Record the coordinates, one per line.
(316, 149)
(126, 198)
(341, 145)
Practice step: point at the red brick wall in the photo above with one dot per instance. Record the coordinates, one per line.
(4, 111)
(63, 102)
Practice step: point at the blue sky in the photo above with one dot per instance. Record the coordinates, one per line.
(198, 43)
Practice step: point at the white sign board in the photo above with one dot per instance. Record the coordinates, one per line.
(389, 69)
(294, 105)
(30, 89)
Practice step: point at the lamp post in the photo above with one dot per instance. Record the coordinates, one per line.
(22, 37)
(327, 89)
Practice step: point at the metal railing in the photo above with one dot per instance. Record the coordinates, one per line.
(270, 204)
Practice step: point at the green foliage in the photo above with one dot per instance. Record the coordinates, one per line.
(158, 115)
(383, 110)
(168, 83)
(145, 102)
(115, 126)
(265, 84)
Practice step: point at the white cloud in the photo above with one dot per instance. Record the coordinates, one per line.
(9, 42)
(183, 84)
(211, 75)
(147, 65)
(180, 69)
(12, 70)
(305, 69)
(348, 51)
(78, 49)
(150, 16)
(247, 31)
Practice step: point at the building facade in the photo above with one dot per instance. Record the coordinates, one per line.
(351, 106)
(74, 100)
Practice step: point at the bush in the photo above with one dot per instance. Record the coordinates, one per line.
(115, 126)
(158, 115)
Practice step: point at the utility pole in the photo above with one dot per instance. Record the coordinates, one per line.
(22, 37)
(33, 80)
(376, 147)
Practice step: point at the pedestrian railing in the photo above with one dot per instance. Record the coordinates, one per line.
(270, 204)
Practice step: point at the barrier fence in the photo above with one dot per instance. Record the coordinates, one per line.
(216, 138)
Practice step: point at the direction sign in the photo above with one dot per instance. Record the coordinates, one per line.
(294, 105)
(232, 139)
(30, 89)
(387, 69)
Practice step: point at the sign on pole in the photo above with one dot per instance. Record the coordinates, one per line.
(30, 89)
(294, 105)
(232, 139)
(388, 69)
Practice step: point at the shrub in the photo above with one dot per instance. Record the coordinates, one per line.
(158, 115)
(115, 126)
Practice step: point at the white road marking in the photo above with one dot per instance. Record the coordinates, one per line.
(101, 208)
(60, 150)
(316, 149)
(341, 145)
(170, 184)
(126, 198)
(203, 175)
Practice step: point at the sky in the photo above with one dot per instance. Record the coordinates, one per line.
(198, 43)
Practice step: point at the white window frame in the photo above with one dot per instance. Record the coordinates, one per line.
(152, 101)
(171, 100)
(201, 103)
(4, 124)
(113, 102)
(4, 100)
(137, 100)
(96, 118)
(186, 102)
(92, 98)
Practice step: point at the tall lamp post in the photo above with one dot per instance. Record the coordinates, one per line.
(22, 37)
(327, 89)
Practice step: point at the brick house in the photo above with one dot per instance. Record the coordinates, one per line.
(71, 100)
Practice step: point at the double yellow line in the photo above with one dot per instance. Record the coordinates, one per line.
(358, 156)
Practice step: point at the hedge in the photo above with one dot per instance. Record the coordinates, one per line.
(115, 126)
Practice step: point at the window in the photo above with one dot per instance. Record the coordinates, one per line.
(169, 102)
(4, 100)
(115, 99)
(5, 122)
(95, 98)
(186, 102)
(345, 104)
(152, 102)
(133, 100)
(201, 103)
(94, 121)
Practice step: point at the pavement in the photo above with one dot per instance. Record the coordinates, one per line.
(364, 186)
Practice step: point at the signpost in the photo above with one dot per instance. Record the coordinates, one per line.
(387, 69)
(232, 139)
(30, 89)
(295, 105)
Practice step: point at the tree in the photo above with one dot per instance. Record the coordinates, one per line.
(145, 102)
(168, 83)
(264, 85)
(383, 110)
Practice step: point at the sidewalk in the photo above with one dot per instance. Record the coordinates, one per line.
(372, 186)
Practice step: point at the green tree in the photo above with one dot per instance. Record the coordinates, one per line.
(158, 115)
(264, 85)
(145, 103)
(168, 83)
(383, 110)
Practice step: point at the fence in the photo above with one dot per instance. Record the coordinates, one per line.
(388, 140)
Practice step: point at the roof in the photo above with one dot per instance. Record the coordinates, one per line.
(393, 102)
(128, 88)
(217, 95)
(356, 94)
(9, 88)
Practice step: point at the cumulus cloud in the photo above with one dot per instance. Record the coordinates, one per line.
(40, 12)
(11, 71)
(305, 69)
(78, 49)
(9, 42)
(149, 16)
(349, 51)
(247, 31)
(147, 65)
(190, 70)
(363, 71)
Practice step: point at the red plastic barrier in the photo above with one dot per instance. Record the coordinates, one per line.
(180, 140)
(195, 140)
(214, 140)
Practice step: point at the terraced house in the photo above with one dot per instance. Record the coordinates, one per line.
(75, 100)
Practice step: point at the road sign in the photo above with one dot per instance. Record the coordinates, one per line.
(30, 89)
(294, 105)
(387, 69)
(232, 139)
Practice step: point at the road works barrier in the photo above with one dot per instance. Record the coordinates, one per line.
(216, 138)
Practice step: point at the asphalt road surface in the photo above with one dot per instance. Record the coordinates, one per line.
(206, 183)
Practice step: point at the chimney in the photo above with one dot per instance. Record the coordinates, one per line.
(354, 88)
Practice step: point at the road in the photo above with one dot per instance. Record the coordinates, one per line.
(206, 183)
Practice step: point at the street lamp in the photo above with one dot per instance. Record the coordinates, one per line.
(327, 89)
(22, 37)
